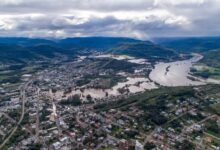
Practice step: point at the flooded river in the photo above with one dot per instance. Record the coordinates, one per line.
(175, 73)
(166, 74)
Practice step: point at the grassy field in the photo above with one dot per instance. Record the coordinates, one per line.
(148, 97)
(9, 78)
(13, 75)
(205, 71)
(212, 58)
(209, 66)
(216, 108)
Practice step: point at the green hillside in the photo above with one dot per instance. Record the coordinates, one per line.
(212, 58)
(209, 66)
(190, 44)
(146, 50)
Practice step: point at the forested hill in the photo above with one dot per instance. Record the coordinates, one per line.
(25, 49)
(212, 58)
(69, 43)
(190, 44)
(146, 50)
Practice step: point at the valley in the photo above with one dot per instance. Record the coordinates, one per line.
(109, 75)
(118, 95)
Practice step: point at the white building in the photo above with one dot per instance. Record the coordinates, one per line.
(138, 146)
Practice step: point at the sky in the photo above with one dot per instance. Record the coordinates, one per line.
(141, 19)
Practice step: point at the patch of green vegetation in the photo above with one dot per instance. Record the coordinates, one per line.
(216, 142)
(216, 108)
(190, 44)
(213, 128)
(3, 120)
(212, 90)
(185, 145)
(146, 50)
(195, 118)
(148, 96)
(175, 125)
(117, 65)
(108, 81)
(19, 135)
(196, 134)
(13, 72)
(149, 146)
(212, 58)
(29, 69)
(10, 79)
(127, 134)
(214, 133)
(152, 103)
(209, 66)
(72, 100)
(44, 114)
(206, 71)
(107, 148)
(15, 114)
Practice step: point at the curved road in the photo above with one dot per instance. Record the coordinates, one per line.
(23, 97)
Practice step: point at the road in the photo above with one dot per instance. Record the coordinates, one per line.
(109, 137)
(200, 122)
(149, 135)
(82, 124)
(37, 115)
(8, 117)
(23, 98)
(215, 137)
(199, 145)
(56, 115)
(175, 118)
(2, 133)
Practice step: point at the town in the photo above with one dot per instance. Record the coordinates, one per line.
(109, 75)
(51, 110)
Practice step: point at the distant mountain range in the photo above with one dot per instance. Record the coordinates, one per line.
(27, 49)
(68, 43)
(190, 44)
(25, 55)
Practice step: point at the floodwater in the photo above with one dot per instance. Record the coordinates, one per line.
(167, 74)
(134, 85)
(175, 73)
(123, 57)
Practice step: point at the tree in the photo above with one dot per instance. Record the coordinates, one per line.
(54, 90)
(185, 145)
(213, 126)
(149, 146)
(89, 97)
(72, 100)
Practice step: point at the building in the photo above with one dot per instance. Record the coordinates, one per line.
(138, 146)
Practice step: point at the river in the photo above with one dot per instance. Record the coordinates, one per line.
(166, 74)
(177, 73)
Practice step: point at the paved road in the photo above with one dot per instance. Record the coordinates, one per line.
(175, 118)
(215, 137)
(23, 98)
(8, 117)
(37, 115)
(2, 133)
(200, 122)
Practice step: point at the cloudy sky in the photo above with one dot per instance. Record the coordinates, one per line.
(141, 19)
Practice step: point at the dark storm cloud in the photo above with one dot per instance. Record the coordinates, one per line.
(138, 18)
